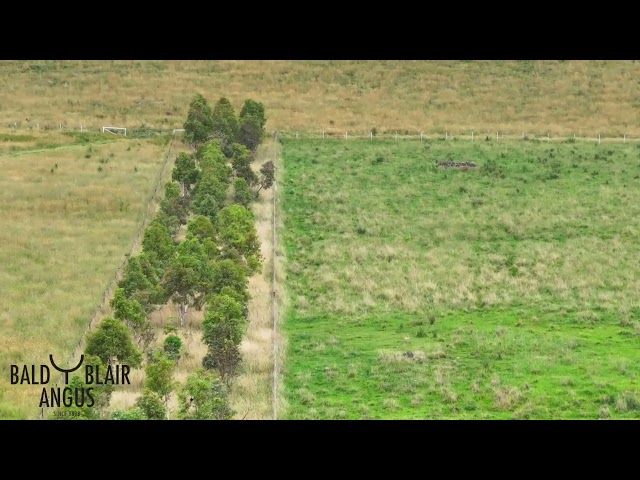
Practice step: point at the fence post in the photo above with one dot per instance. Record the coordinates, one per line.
(598, 139)
(296, 135)
(574, 137)
(420, 136)
(60, 127)
(496, 136)
(396, 135)
(323, 135)
(625, 138)
(472, 136)
(548, 137)
(371, 134)
(346, 135)
(446, 135)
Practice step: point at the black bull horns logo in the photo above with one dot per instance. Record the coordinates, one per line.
(66, 372)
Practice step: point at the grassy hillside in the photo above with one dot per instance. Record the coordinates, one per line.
(505, 291)
(538, 97)
(68, 217)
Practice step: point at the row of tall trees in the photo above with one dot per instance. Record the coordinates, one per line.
(220, 123)
(224, 151)
(211, 192)
(238, 136)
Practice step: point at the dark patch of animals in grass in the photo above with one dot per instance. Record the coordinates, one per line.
(463, 165)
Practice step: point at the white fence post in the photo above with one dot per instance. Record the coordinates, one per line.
(625, 138)
(371, 134)
(446, 135)
(345, 135)
(472, 136)
(598, 139)
(548, 137)
(296, 135)
(323, 135)
(420, 136)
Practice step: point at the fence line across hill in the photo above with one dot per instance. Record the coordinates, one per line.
(82, 128)
(400, 134)
(448, 136)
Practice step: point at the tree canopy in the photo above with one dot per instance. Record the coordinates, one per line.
(204, 397)
(225, 124)
(237, 230)
(185, 171)
(112, 339)
(199, 123)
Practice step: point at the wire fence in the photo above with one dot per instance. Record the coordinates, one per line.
(400, 134)
(153, 200)
(274, 287)
(497, 136)
(135, 132)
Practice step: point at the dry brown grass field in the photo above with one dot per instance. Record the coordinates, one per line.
(537, 97)
(251, 395)
(67, 220)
